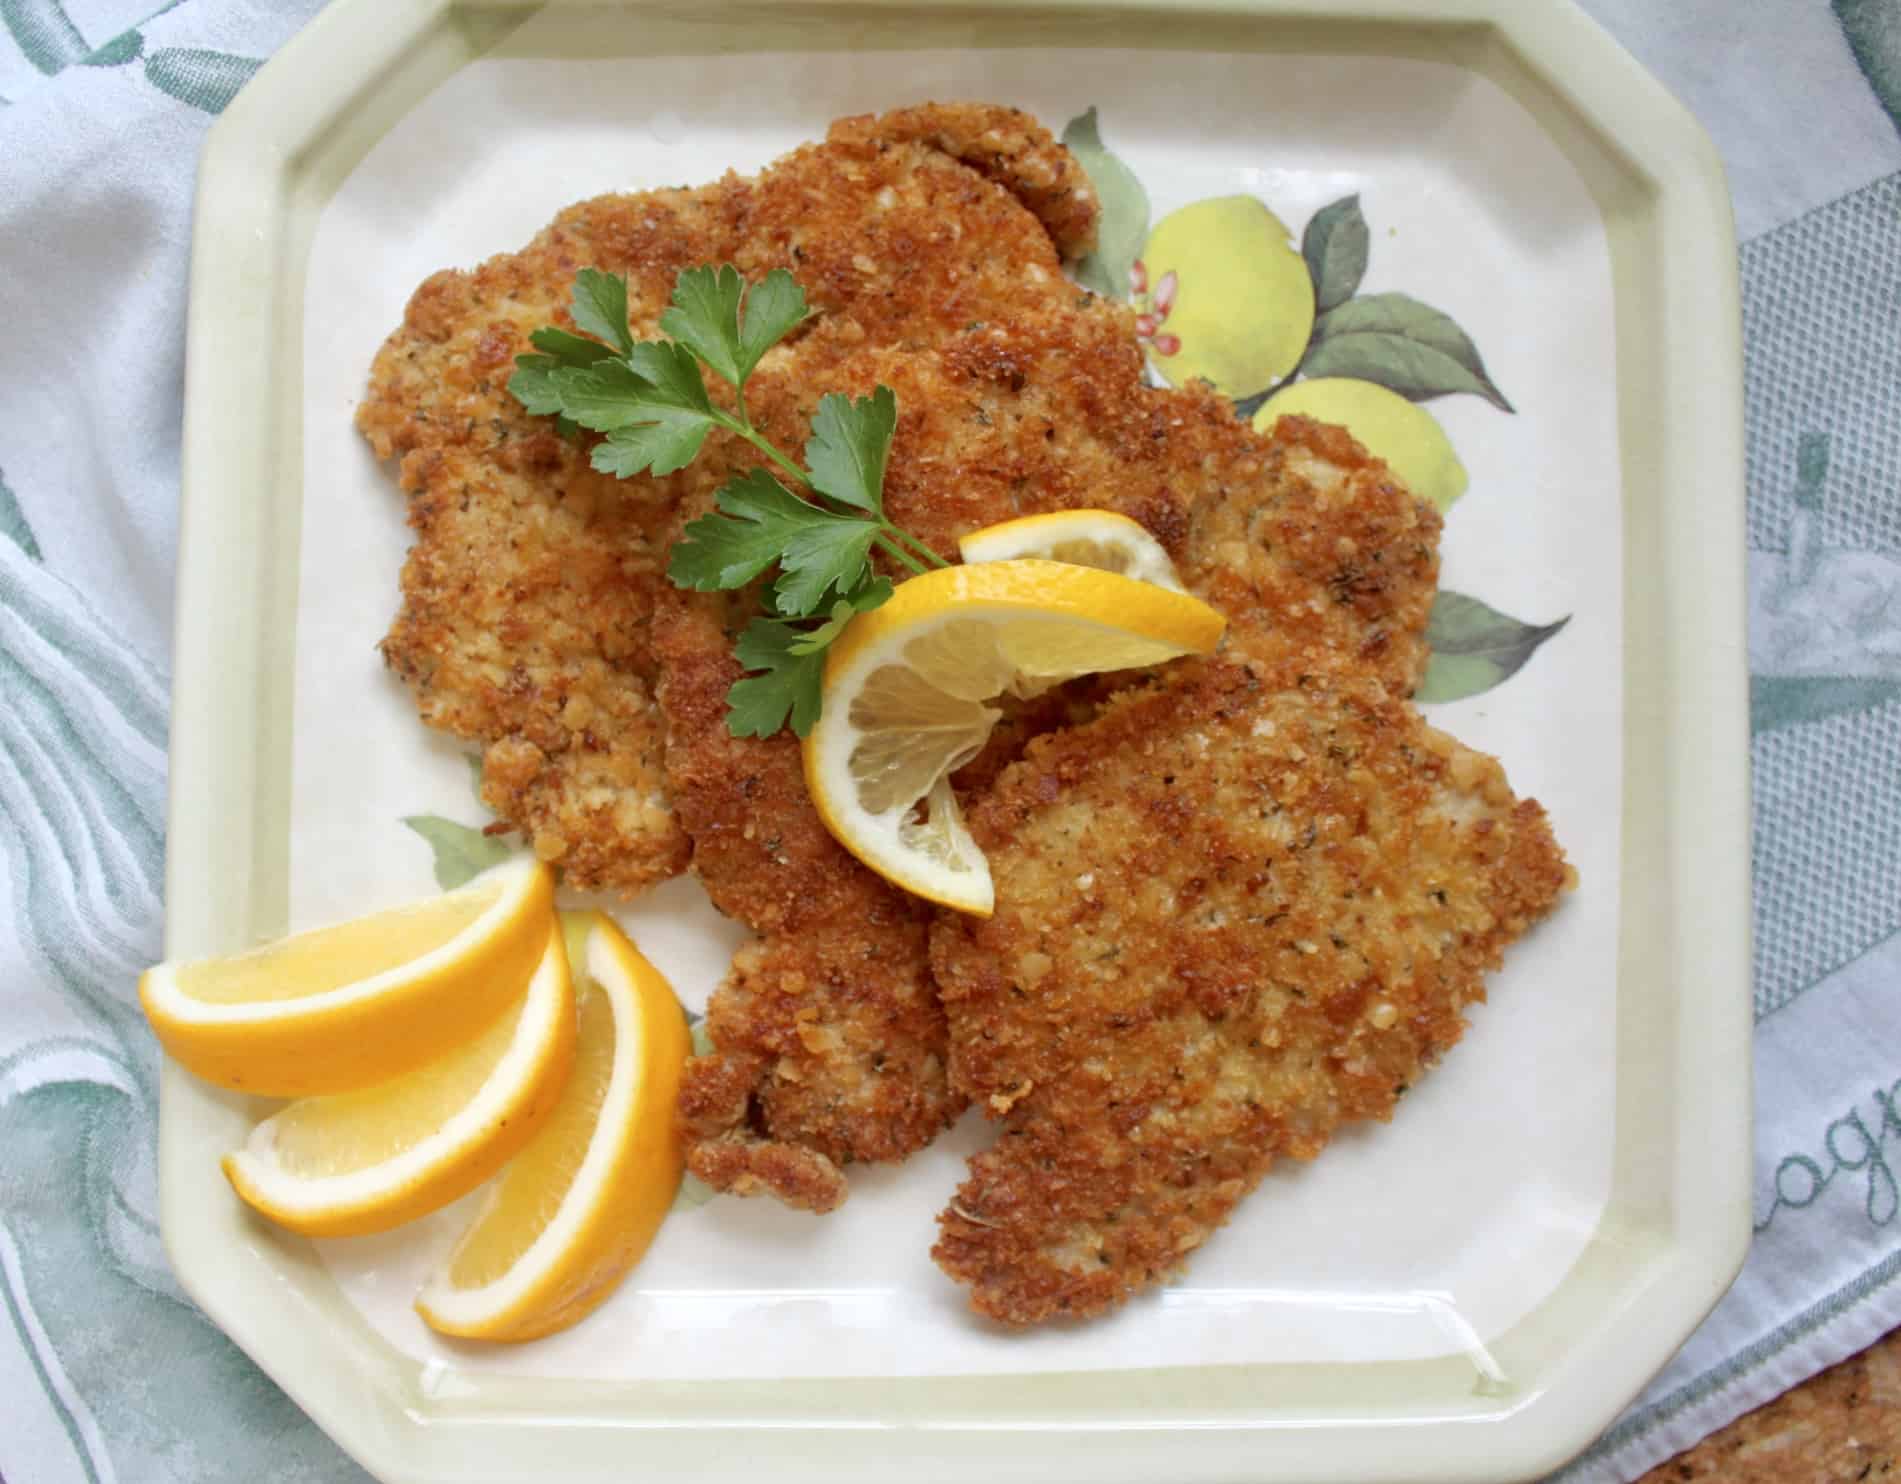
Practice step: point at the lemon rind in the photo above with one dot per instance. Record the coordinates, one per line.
(498, 1309)
(1024, 591)
(1031, 536)
(159, 985)
(471, 1145)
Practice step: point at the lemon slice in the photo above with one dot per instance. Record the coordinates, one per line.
(1083, 538)
(576, 1209)
(907, 687)
(350, 1006)
(367, 1161)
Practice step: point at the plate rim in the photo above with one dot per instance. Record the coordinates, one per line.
(236, 551)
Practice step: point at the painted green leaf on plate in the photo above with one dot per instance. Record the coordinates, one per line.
(1475, 647)
(1335, 246)
(462, 852)
(1403, 345)
(1123, 225)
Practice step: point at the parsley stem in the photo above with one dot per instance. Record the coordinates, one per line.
(897, 552)
(916, 545)
(759, 442)
(893, 539)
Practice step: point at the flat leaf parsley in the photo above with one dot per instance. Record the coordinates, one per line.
(648, 399)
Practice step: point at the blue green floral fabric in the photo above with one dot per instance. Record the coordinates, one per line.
(107, 1370)
(109, 1373)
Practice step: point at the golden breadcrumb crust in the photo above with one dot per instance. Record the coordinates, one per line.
(1244, 906)
(528, 593)
(1148, 1080)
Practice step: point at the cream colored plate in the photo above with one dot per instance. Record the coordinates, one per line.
(1552, 1211)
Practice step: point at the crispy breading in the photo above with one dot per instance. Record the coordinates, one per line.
(1312, 541)
(523, 627)
(537, 623)
(1043, 410)
(828, 1042)
(1299, 531)
(527, 597)
(1244, 906)
(1005, 145)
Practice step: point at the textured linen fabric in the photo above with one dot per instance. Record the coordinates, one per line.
(1804, 100)
(107, 1372)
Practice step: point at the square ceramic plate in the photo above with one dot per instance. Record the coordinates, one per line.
(1469, 1294)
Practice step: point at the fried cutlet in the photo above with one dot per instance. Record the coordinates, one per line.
(829, 1045)
(929, 242)
(828, 1042)
(526, 601)
(528, 593)
(1299, 531)
(1154, 1026)
(1040, 411)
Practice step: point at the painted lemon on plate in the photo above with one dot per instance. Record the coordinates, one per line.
(1223, 296)
(1403, 433)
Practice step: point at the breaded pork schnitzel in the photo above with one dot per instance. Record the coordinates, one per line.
(829, 1045)
(528, 593)
(829, 1038)
(536, 620)
(1242, 907)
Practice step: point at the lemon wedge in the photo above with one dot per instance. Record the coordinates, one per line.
(347, 1007)
(907, 688)
(575, 1210)
(366, 1161)
(1083, 538)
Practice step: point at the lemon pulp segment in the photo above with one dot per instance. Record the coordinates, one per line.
(367, 1160)
(1102, 539)
(534, 1185)
(908, 691)
(350, 1131)
(318, 962)
(579, 1204)
(925, 718)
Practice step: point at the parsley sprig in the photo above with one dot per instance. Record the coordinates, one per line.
(649, 400)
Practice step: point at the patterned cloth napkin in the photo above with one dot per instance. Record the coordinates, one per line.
(111, 1374)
